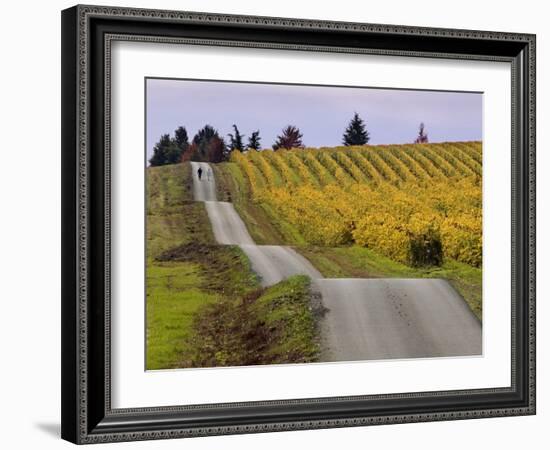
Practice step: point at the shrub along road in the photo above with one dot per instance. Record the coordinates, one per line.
(366, 318)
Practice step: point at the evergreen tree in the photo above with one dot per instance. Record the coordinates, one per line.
(236, 140)
(201, 141)
(254, 141)
(422, 137)
(356, 133)
(205, 134)
(181, 138)
(291, 138)
(161, 150)
(173, 153)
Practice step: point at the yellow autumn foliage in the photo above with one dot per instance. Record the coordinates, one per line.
(380, 197)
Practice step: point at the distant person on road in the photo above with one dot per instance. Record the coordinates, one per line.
(209, 174)
(199, 172)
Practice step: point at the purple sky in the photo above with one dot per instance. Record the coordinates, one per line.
(321, 113)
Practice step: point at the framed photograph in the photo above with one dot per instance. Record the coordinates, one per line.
(278, 224)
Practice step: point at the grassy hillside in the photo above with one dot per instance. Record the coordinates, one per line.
(179, 287)
(407, 210)
(267, 326)
(189, 276)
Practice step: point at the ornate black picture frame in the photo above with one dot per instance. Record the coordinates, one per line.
(87, 34)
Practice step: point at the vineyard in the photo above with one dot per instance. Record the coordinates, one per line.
(415, 204)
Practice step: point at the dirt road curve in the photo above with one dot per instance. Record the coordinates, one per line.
(366, 318)
(275, 263)
(228, 227)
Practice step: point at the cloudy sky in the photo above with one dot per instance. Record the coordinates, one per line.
(321, 113)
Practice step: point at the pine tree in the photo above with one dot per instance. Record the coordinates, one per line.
(236, 140)
(254, 141)
(356, 133)
(201, 141)
(181, 138)
(161, 150)
(205, 134)
(422, 137)
(291, 138)
(173, 153)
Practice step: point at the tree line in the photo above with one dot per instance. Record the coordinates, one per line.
(207, 145)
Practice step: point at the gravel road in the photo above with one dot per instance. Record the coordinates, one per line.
(397, 318)
(366, 319)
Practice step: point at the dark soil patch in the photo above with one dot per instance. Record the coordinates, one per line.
(225, 268)
(276, 325)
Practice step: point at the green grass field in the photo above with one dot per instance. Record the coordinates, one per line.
(194, 287)
(267, 227)
(173, 293)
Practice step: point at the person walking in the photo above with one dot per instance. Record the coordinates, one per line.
(209, 174)
(199, 172)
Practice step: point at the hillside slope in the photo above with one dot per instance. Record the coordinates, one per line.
(371, 211)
